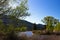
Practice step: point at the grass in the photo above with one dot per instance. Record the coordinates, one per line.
(38, 35)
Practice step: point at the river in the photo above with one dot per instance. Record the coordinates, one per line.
(27, 33)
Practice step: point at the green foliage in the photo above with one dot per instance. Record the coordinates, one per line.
(2, 26)
(50, 22)
(17, 29)
(10, 27)
(21, 10)
(0, 22)
(23, 28)
(2, 2)
(57, 27)
(4, 8)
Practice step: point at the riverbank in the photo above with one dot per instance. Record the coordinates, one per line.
(39, 37)
(42, 37)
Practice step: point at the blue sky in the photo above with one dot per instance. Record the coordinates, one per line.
(41, 8)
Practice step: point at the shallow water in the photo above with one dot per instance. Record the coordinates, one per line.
(27, 33)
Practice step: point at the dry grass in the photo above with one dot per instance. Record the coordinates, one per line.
(42, 37)
(37, 37)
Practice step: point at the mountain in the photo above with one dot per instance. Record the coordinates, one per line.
(18, 23)
(41, 27)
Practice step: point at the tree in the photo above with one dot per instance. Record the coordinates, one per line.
(50, 22)
(18, 12)
(2, 26)
(34, 26)
(21, 10)
(4, 6)
(57, 28)
(2, 2)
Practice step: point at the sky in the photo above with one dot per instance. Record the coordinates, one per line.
(42, 8)
(14, 3)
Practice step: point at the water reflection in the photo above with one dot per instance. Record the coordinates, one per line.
(27, 33)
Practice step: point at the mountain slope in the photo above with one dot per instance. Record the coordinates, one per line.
(18, 23)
